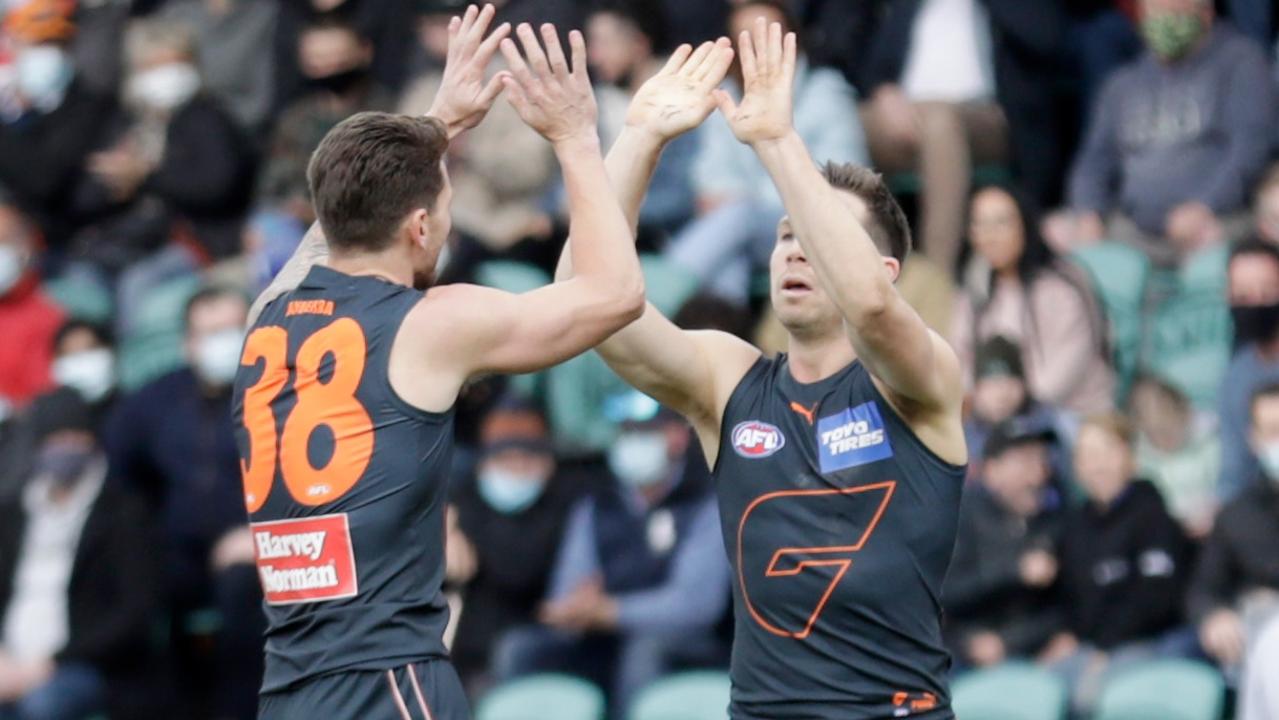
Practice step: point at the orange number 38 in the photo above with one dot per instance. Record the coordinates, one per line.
(330, 403)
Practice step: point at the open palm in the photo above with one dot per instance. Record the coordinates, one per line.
(768, 74)
(678, 98)
(465, 95)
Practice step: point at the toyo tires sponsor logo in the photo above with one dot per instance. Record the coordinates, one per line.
(305, 560)
(755, 439)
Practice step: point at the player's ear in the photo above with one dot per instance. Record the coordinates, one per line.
(893, 267)
(419, 227)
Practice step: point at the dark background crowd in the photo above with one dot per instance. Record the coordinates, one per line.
(1096, 208)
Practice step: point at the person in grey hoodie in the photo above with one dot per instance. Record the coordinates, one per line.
(1177, 138)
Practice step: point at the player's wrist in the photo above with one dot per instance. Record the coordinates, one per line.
(644, 136)
(580, 142)
(775, 141)
(453, 120)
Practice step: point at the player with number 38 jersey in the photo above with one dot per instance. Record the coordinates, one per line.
(343, 404)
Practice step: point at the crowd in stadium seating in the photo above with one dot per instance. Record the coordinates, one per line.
(1096, 196)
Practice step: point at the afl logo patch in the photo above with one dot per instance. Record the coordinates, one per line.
(756, 440)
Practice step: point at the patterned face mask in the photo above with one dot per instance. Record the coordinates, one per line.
(1172, 35)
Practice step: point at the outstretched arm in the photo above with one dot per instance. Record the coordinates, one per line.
(463, 100)
(485, 330)
(919, 369)
(691, 372)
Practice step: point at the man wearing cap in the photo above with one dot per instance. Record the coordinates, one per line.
(77, 582)
(52, 122)
(1000, 593)
(502, 539)
(641, 579)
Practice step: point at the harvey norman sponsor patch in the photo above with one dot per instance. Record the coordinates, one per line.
(305, 560)
(853, 437)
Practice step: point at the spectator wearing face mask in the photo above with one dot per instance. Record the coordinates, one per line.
(508, 523)
(641, 580)
(1235, 590)
(28, 319)
(1180, 455)
(55, 120)
(77, 580)
(1000, 595)
(334, 58)
(84, 360)
(1254, 307)
(1176, 138)
(172, 440)
(1123, 566)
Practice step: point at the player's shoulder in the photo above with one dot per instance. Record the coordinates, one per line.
(731, 358)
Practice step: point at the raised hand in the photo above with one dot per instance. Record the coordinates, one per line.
(465, 97)
(768, 72)
(678, 98)
(552, 98)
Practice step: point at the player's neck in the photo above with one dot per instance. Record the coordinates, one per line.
(391, 265)
(816, 358)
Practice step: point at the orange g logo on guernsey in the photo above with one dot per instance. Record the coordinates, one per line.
(772, 605)
(305, 560)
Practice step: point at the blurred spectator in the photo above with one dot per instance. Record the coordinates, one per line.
(335, 61)
(270, 238)
(1254, 305)
(509, 521)
(58, 121)
(739, 207)
(839, 34)
(385, 25)
(954, 84)
(641, 579)
(1177, 138)
(1000, 394)
(177, 166)
(1036, 300)
(234, 39)
(1000, 594)
(1103, 38)
(84, 360)
(77, 581)
(1123, 564)
(1265, 210)
(622, 38)
(28, 319)
(1176, 453)
(501, 171)
(99, 42)
(172, 441)
(693, 22)
(1235, 590)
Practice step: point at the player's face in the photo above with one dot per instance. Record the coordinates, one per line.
(1103, 463)
(996, 229)
(431, 231)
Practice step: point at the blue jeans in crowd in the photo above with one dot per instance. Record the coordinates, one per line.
(723, 247)
(75, 692)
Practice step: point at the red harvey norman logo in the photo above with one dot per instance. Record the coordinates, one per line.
(755, 439)
(305, 560)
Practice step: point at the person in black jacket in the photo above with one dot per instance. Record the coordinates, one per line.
(956, 83)
(1123, 564)
(46, 138)
(1000, 595)
(503, 536)
(77, 581)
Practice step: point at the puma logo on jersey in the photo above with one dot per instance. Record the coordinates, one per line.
(854, 437)
(305, 560)
(755, 439)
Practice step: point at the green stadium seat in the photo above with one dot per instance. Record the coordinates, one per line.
(154, 344)
(1119, 277)
(538, 697)
(1164, 690)
(697, 695)
(80, 298)
(1013, 691)
(1190, 332)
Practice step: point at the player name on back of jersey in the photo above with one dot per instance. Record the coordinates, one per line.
(309, 307)
(305, 560)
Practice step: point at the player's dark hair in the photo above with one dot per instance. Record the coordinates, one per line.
(371, 171)
(209, 294)
(1269, 390)
(888, 226)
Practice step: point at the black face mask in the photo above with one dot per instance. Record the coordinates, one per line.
(341, 82)
(1255, 323)
(63, 465)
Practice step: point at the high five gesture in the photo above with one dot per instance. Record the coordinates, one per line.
(465, 97)
(768, 73)
(555, 100)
